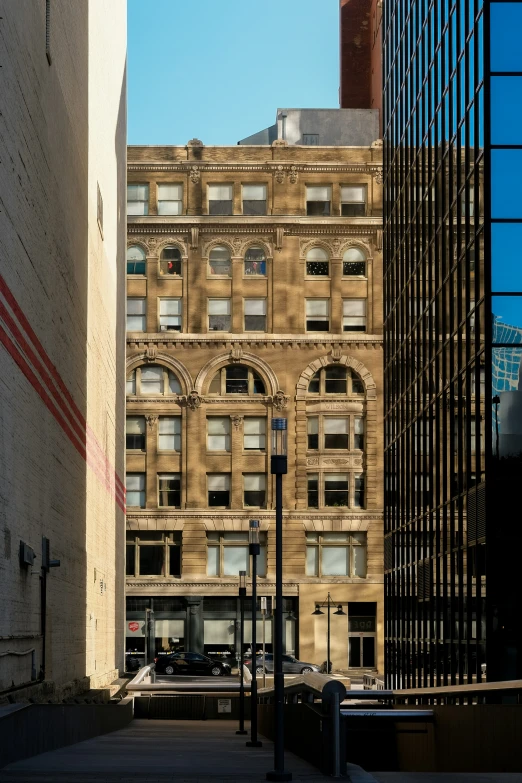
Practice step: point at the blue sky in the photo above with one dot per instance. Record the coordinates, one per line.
(218, 69)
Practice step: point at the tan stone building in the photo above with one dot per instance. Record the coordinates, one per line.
(254, 290)
(62, 358)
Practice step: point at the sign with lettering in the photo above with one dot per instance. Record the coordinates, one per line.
(361, 624)
(224, 705)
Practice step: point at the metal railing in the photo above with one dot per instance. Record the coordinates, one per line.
(474, 693)
(145, 682)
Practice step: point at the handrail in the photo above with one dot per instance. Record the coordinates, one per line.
(321, 686)
(457, 690)
(139, 677)
(139, 684)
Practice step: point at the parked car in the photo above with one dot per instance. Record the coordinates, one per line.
(190, 663)
(290, 665)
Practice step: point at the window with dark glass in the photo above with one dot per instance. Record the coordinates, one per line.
(336, 432)
(318, 200)
(153, 553)
(219, 262)
(353, 200)
(135, 433)
(336, 489)
(255, 315)
(317, 315)
(354, 263)
(136, 260)
(254, 489)
(170, 261)
(313, 490)
(336, 379)
(218, 485)
(254, 199)
(219, 318)
(220, 199)
(236, 379)
(169, 489)
(317, 263)
(354, 315)
(313, 432)
(255, 262)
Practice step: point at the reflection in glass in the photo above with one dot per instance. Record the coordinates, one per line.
(506, 183)
(506, 24)
(506, 257)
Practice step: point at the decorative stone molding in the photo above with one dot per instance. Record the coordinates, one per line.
(278, 237)
(336, 246)
(237, 244)
(165, 360)
(152, 242)
(194, 238)
(171, 241)
(250, 359)
(151, 352)
(360, 244)
(378, 175)
(280, 143)
(348, 361)
(236, 354)
(312, 461)
(280, 175)
(151, 420)
(216, 241)
(195, 175)
(191, 400)
(378, 240)
(195, 143)
(308, 244)
(279, 400)
(293, 176)
(336, 354)
(236, 421)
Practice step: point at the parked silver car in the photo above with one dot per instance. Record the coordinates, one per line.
(290, 665)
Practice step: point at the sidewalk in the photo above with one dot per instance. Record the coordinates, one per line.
(150, 751)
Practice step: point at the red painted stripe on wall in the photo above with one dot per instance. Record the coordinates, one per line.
(26, 326)
(76, 429)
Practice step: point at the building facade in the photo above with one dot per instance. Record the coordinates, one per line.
(360, 50)
(62, 236)
(453, 313)
(254, 291)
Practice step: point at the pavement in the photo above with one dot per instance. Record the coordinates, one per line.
(155, 751)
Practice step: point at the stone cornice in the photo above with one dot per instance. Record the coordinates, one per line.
(252, 224)
(301, 340)
(167, 586)
(373, 168)
(306, 515)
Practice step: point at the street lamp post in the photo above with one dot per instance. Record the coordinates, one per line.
(278, 467)
(263, 613)
(254, 550)
(318, 611)
(242, 594)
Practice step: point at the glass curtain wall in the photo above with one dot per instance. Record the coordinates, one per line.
(436, 375)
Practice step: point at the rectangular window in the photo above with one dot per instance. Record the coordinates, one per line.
(227, 554)
(353, 200)
(358, 497)
(313, 490)
(336, 554)
(313, 432)
(153, 553)
(254, 199)
(136, 315)
(135, 433)
(254, 485)
(336, 433)
(218, 429)
(318, 200)
(254, 433)
(169, 489)
(336, 489)
(220, 199)
(170, 315)
(169, 433)
(354, 315)
(218, 485)
(219, 315)
(137, 199)
(317, 315)
(255, 315)
(170, 199)
(358, 433)
(135, 486)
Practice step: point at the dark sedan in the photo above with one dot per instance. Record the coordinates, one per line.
(290, 665)
(190, 663)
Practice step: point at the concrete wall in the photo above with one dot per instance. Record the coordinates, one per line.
(61, 296)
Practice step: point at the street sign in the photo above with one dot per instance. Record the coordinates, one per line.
(224, 705)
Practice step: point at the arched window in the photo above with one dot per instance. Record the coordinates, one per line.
(152, 379)
(354, 263)
(255, 261)
(236, 379)
(219, 262)
(170, 261)
(135, 260)
(336, 379)
(317, 263)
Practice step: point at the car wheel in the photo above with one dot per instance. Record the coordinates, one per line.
(169, 669)
(306, 670)
(215, 671)
(259, 670)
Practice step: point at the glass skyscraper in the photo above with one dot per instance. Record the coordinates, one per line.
(452, 119)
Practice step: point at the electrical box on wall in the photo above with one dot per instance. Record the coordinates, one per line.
(27, 555)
